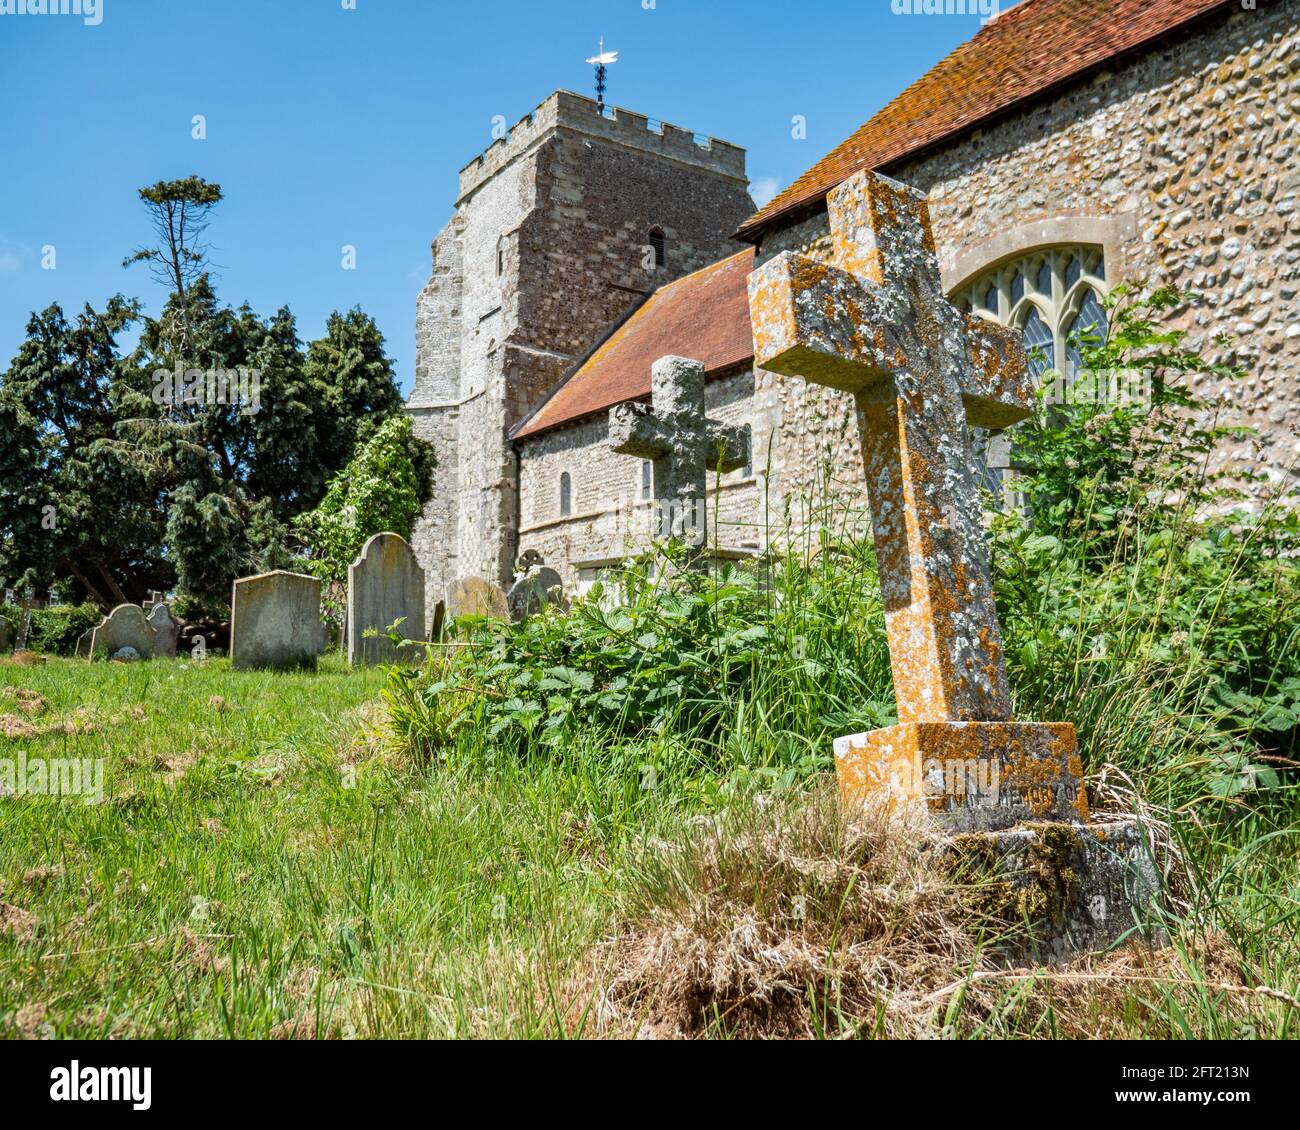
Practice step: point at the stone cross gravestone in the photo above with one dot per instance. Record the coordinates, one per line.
(125, 626)
(681, 441)
(473, 596)
(275, 621)
(385, 584)
(166, 630)
(875, 322)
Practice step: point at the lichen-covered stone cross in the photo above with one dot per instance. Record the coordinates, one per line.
(678, 438)
(875, 322)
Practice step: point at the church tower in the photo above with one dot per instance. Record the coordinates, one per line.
(560, 229)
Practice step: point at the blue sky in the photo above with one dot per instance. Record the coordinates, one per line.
(329, 126)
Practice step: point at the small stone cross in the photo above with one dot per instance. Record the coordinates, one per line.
(681, 441)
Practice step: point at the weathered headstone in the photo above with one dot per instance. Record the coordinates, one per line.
(439, 624)
(473, 596)
(275, 621)
(681, 441)
(25, 625)
(166, 631)
(385, 584)
(125, 626)
(875, 322)
(84, 644)
(533, 590)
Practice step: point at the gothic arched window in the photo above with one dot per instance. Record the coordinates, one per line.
(501, 256)
(647, 478)
(566, 495)
(1053, 297)
(659, 244)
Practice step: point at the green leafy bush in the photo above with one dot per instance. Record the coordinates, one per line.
(1140, 598)
(384, 487)
(55, 630)
(785, 656)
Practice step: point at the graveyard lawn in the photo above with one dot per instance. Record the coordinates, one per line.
(264, 864)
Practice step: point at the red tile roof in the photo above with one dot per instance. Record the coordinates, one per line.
(704, 316)
(1027, 51)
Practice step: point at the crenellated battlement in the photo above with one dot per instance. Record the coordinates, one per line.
(566, 110)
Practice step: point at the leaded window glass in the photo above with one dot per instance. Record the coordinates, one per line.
(1055, 314)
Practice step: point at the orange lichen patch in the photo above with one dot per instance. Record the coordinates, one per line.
(985, 775)
(704, 315)
(1024, 54)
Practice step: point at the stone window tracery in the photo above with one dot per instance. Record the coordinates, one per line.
(1052, 295)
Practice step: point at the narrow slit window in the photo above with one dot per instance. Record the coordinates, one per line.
(659, 244)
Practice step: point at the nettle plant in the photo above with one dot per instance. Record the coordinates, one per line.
(1143, 595)
(754, 665)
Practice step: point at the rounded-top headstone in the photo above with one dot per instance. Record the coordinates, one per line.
(385, 585)
(125, 626)
(166, 631)
(533, 591)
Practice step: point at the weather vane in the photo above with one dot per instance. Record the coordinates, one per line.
(601, 62)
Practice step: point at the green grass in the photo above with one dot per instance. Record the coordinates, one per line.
(233, 884)
(266, 863)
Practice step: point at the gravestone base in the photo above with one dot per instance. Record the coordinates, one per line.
(1072, 888)
(981, 776)
(1010, 799)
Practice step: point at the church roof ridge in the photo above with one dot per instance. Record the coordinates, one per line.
(1026, 53)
